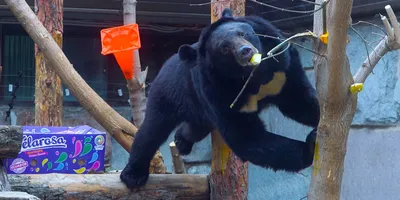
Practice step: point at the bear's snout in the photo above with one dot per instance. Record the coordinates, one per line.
(246, 52)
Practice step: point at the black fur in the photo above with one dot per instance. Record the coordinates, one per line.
(194, 92)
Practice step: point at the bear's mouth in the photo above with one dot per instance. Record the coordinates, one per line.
(243, 51)
(244, 55)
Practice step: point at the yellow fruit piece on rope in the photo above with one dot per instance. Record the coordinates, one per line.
(255, 59)
(324, 38)
(356, 87)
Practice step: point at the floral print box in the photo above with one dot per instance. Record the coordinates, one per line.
(69, 150)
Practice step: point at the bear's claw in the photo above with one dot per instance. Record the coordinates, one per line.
(133, 179)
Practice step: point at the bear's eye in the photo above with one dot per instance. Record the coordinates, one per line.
(241, 34)
(224, 50)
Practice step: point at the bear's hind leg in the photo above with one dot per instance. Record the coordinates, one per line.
(189, 133)
(154, 131)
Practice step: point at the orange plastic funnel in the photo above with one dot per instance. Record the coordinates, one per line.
(121, 41)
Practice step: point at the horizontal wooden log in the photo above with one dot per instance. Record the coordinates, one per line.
(109, 186)
(10, 141)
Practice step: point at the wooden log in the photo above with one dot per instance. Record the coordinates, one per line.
(109, 186)
(229, 175)
(10, 141)
(177, 162)
(48, 86)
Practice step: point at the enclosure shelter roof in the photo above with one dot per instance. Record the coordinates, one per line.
(107, 13)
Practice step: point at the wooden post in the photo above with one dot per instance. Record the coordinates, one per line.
(48, 87)
(177, 162)
(136, 88)
(337, 93)
(136, 85)
(228, 178)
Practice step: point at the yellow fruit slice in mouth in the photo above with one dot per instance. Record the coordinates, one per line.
(255, 59)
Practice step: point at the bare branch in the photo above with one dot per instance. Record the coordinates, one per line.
(272, 54)
(394, 22)
(368, 65)
(295, 43)
(207, 3)
(273, 50)
(252, 73)
(390, 43)
(372, 24)
(364, 40)
(293, 11)
(388, 28)
(310, 2)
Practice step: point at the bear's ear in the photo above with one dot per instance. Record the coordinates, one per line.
(227, 13)
(186, 52)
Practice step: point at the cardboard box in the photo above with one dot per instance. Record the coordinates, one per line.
(68, 150)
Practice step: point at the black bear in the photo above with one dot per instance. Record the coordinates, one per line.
(195, 88)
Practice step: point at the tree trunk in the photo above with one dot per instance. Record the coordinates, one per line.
(333, 80)
(109, 186)
(136, 85)
(120, 128)
(48, 87)
(137, 90)
(229, 175)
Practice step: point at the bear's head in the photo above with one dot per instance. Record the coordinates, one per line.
(228, 46)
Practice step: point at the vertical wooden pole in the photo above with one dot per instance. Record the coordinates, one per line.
(137, 90)
(48, 88)
(228, 178)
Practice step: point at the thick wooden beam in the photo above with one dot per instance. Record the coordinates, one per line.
(10, 141)
(48, 86)
(109, 186)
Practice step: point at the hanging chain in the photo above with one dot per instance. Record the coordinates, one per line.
(14, 95)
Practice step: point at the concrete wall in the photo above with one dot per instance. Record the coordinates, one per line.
(373, 155)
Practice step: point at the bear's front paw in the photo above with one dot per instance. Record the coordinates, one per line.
(311, 138)
(184, 146)
(134, 178)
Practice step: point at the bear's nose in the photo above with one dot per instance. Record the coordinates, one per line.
(245, 50)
